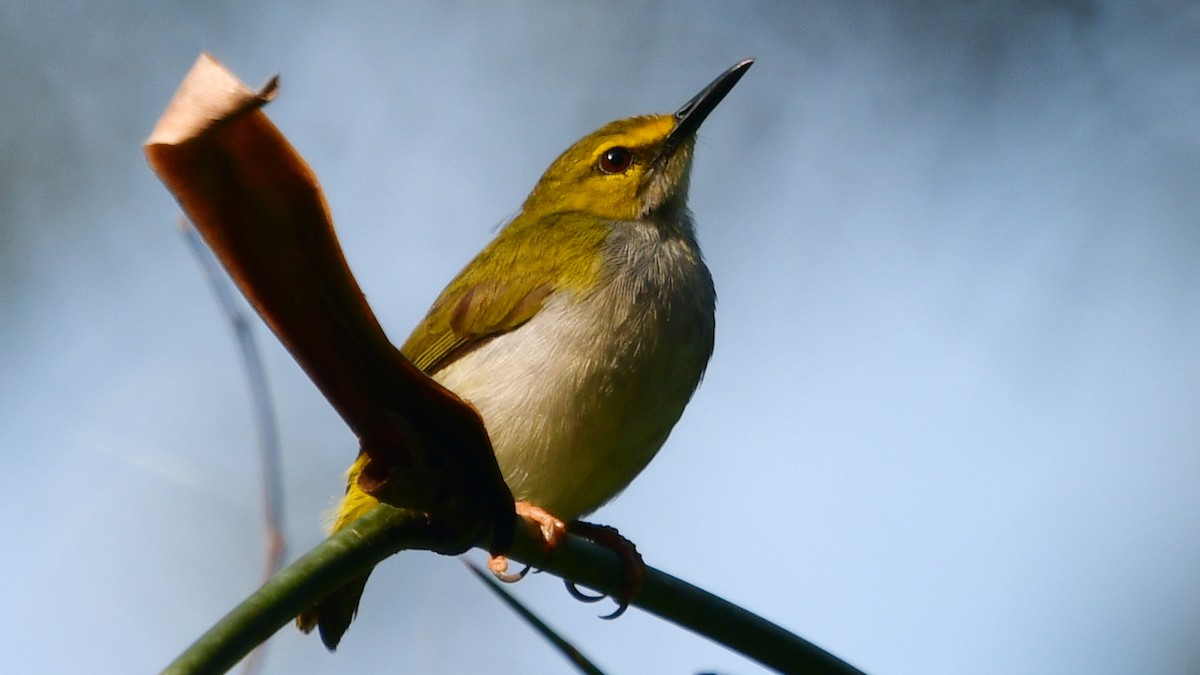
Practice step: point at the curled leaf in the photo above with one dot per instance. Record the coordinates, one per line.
(260, 208)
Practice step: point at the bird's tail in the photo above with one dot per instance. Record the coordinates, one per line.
(332, 614)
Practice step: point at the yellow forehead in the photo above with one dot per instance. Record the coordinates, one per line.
(639, 131)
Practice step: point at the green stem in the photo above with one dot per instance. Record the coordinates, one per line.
(355, 549)
(386, 530)
(682, 604)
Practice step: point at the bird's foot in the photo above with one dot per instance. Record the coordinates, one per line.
(552, 529)
(633, 568)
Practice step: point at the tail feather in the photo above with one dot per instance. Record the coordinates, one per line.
(333, 613)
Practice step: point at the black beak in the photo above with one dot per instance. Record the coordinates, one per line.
(693, 113)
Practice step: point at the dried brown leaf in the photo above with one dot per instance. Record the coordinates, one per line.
(259, 206)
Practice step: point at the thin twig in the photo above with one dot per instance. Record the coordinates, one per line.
(568, 650)
(265, 424)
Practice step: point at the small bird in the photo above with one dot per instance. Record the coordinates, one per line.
(579, 333)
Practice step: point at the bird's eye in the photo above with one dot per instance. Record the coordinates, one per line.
(615, 160)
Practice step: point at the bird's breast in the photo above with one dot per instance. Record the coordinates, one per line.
(578, 399)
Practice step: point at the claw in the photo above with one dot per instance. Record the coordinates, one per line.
(579, 595)
(499, 567)
(552, 531)
(552, 528)
(634, 568)
(621, 607)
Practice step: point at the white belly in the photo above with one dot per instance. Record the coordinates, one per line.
(579, 399)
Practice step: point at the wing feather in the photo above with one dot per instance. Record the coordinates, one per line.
(559, 252)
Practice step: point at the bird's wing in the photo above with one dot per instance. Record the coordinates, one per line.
(508, 283)
(467, 314)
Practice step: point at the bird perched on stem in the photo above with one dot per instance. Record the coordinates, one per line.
(579, 333)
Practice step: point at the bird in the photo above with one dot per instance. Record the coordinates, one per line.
(579, 333)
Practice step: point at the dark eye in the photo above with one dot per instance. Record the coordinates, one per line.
(615, 160)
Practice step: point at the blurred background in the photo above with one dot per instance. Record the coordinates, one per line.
(951, 424)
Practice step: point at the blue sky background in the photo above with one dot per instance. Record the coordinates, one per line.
(951, 424)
